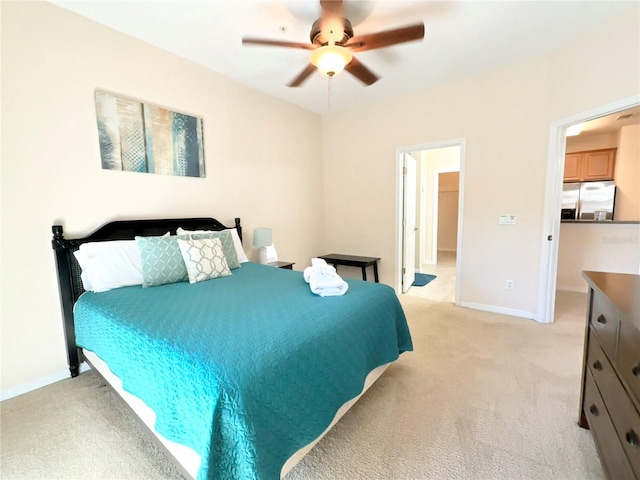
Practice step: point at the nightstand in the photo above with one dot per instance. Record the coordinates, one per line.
(287, 265)
(336, 259)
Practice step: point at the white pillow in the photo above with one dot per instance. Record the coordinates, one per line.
(204, 259)
(83, 260)
(242, 256)
(109, 265)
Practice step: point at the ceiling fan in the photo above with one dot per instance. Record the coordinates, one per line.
(333, 43)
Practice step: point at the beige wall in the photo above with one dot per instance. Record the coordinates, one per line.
(581, 143)
(263, 163)
(601, 247)
(627, 174)
(498, 113)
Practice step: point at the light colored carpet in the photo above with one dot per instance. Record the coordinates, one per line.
(483, 396)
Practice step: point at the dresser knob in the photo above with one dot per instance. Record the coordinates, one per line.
(602, 319)
(636, 370)
(594, 410)
(597, 365)
(632, 438)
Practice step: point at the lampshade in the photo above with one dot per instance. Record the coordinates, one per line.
(262, 237)
(330, 59)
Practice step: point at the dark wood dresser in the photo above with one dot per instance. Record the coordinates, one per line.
(610, 394)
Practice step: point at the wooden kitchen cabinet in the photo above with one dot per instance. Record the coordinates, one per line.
(598, 165)
(590, 165)
(572, 164)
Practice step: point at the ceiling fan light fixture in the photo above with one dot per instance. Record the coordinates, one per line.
(330, 59)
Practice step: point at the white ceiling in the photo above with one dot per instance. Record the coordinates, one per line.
(462, 37)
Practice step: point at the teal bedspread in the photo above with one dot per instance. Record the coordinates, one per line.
(245, 369)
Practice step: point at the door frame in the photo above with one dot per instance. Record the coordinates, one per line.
(400, 151)
(553, 198)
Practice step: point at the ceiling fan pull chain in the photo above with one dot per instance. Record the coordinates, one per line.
(329, 92)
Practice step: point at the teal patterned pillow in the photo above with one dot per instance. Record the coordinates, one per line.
(204, 259)
(228, 247)
(161, 261)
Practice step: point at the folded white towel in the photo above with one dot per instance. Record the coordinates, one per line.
(320, 267)
(328, 288)
(323, 279)
(331, 292)
(307, 273)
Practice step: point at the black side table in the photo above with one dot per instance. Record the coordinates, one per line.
(336, 259)
(286, 265)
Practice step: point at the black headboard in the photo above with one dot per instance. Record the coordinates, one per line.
(69, 281)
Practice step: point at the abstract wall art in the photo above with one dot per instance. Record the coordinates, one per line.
(137, 137)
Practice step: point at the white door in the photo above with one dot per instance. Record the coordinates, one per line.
(409, 222)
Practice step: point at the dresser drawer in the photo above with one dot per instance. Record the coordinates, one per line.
(628, 358)
(605, 322)
(621, 410)
(612, 456)
(626, 421)
(599, 365)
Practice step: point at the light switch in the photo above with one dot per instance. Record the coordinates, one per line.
(507, 219)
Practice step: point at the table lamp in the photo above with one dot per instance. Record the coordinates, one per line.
(263, 240)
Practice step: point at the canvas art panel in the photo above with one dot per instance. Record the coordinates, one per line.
(138, 137)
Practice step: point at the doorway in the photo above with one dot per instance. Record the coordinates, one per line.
(551, 225)
(434, 225)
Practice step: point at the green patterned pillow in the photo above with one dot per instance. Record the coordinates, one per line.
(228, 247)
(204, 259)
(161, 261)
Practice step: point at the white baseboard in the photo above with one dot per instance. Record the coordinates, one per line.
(502, 310)
(39, 383)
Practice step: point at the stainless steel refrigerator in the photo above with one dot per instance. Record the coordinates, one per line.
(588, 201)
(570, 201)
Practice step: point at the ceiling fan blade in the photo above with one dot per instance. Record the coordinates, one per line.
(384, 39)
(277, 43)
(362, 73)
(309, 69)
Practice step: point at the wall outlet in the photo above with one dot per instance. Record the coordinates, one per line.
(509, 284)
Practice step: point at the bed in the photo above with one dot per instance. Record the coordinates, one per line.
(236, 376)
